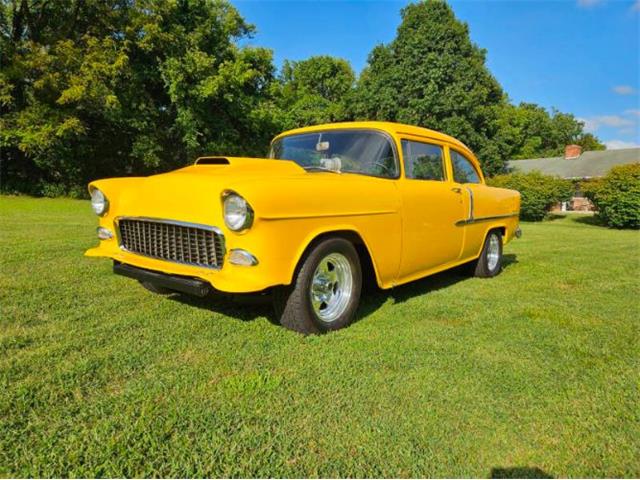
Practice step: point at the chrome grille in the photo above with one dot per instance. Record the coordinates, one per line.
(192, 244)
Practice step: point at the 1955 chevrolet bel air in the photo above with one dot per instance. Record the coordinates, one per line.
(332, 206)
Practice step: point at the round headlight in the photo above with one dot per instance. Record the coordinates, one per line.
(238, 215)
(99, 202)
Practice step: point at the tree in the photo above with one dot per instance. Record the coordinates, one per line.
(315, 90)
(530, 131)
(92, 88)
(432, 75)
(589, 142)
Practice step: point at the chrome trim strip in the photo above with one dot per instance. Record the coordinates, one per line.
(327, 215)
(485, 219)
(174, 222)
(179, 223)
(471, 206)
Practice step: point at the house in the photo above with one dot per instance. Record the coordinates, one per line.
(578, 166)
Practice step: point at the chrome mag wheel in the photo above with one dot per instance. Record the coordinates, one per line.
(493, 252)
(331, 287)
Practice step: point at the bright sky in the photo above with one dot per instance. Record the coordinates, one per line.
(580, 56)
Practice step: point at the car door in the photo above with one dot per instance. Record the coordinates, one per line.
(431, 206)
(467, 177)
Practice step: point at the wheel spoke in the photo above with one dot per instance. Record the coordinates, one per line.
(316, 303)
(325, 268)
(333, 276)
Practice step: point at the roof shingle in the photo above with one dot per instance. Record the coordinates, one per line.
(587, 165)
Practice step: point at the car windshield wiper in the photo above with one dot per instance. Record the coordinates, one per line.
(317, 168)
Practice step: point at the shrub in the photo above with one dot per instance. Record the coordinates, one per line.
(539, 192)
(617, 196)
(80, 193)
(53, 190)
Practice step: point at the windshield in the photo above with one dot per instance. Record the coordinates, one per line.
(347, 151)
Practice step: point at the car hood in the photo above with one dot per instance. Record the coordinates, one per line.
(274, 188)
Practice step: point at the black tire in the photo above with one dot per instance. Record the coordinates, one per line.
(152, 287)
(292, 303)
(482, 266)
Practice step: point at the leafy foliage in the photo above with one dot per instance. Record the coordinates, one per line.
(93, 88)
(432, 75)
(539, 192)
(617, 196)
(529, 131)
(315, 91)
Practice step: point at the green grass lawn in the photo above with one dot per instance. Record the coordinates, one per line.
(536, 370)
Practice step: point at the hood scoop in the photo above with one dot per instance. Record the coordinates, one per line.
(212, 161)
(237, 166)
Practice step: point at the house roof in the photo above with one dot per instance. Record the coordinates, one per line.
(587, 165)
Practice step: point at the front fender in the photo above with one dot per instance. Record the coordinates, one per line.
(292, 213)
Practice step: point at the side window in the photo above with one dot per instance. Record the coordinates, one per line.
(463, 170)
(422, 161)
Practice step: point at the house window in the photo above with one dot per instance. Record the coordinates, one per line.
(423, 161)
(463, 169)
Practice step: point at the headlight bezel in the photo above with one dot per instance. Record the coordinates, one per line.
(96, 192)
(229, 196)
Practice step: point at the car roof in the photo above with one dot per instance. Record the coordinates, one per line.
(390, 127)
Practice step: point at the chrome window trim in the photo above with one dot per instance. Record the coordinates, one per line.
(179, 223)
(443, 162)
(473, 166)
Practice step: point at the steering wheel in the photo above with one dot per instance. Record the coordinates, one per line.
(384, 166)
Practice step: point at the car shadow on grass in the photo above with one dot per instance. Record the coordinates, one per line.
(375, 298)
(519, 472)
(249, 307)
(245, 307)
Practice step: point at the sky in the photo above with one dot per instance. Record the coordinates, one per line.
(579, 56)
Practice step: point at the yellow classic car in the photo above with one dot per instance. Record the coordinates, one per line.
(332, 206)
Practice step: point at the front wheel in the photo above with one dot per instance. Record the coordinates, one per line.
(489, 264)
(326, 291)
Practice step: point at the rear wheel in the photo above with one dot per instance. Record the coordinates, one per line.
(152, 287)
(489, 264)
(326, 291)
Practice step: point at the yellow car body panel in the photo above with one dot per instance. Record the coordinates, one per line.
(410, 228)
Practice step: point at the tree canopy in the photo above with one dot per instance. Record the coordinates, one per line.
(315, 91)
(432, 75)
(530, 131)
(93, 88)
(97, 88)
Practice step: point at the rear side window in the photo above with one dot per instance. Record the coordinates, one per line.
(422, 161)
(463, 169)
